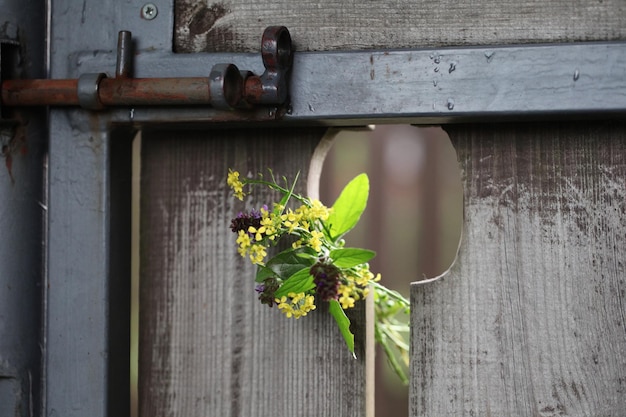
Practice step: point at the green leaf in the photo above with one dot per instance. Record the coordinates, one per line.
(349, 257)
(263, 272)
(288, 262)
(301, 281)
(343, 322)
(283, 201)
(349, 206)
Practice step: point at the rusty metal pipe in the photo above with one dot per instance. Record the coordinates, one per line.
(39, 93)
(111, 92)
(226, 87)
(154, 91)
(125, 91)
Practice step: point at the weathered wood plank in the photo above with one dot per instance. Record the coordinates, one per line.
(207, 346)
(449, 314)
(235, 25)
(531, 319)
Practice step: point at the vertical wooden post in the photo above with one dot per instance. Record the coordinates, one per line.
(531, 319)
(207, 346)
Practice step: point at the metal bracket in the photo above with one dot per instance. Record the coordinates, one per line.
(226, 87)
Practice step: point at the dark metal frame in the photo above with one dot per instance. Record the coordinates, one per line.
(86, 290)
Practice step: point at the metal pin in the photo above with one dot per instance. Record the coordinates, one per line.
(123, 66)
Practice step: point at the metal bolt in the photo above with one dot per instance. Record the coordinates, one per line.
(149, 11)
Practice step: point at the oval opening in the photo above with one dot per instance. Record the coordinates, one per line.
(413, 218)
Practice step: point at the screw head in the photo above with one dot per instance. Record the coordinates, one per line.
(149, 11)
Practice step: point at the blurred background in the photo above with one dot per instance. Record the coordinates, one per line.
(413, 218)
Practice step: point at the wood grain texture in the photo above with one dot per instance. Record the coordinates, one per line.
(207, 346)
(237, 25)
(531, 319)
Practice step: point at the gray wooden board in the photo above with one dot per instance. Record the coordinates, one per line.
(235, 25)
(448, 312)
(207, 346)
(531, 319)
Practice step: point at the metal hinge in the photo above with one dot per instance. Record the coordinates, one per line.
(226, 88)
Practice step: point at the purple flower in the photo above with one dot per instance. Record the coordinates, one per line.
(244, 221)
(326, 279)
(266, 291)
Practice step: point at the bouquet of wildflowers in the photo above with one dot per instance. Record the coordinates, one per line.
(317, 266)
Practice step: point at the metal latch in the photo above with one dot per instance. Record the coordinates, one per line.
(226, 87)
(345, 88)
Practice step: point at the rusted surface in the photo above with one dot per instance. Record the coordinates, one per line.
(126, 92)
(276, 48)
(39, 92)
(277, 58)
(224, 88)
(154, 91)
(253, 87)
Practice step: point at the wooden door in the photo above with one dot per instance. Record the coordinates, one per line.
(530, 321)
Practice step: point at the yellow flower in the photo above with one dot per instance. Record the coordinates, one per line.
(296, 304)
(266, 228)
(235, 184)
(356, 284)
(363, 276)
(258, 233)
(257, 254)
(305, 225)
(243, 240)
(296, 297)
(316, 240)
(346, 294)
(309, 303)
(267, 223)
(291, 220)
(284, 306)
(318, 210)
(346, 301)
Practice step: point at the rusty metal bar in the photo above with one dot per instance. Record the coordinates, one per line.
(111, 92)
(226, 87)
(39, 92)
(124, 91)
(154, 91)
